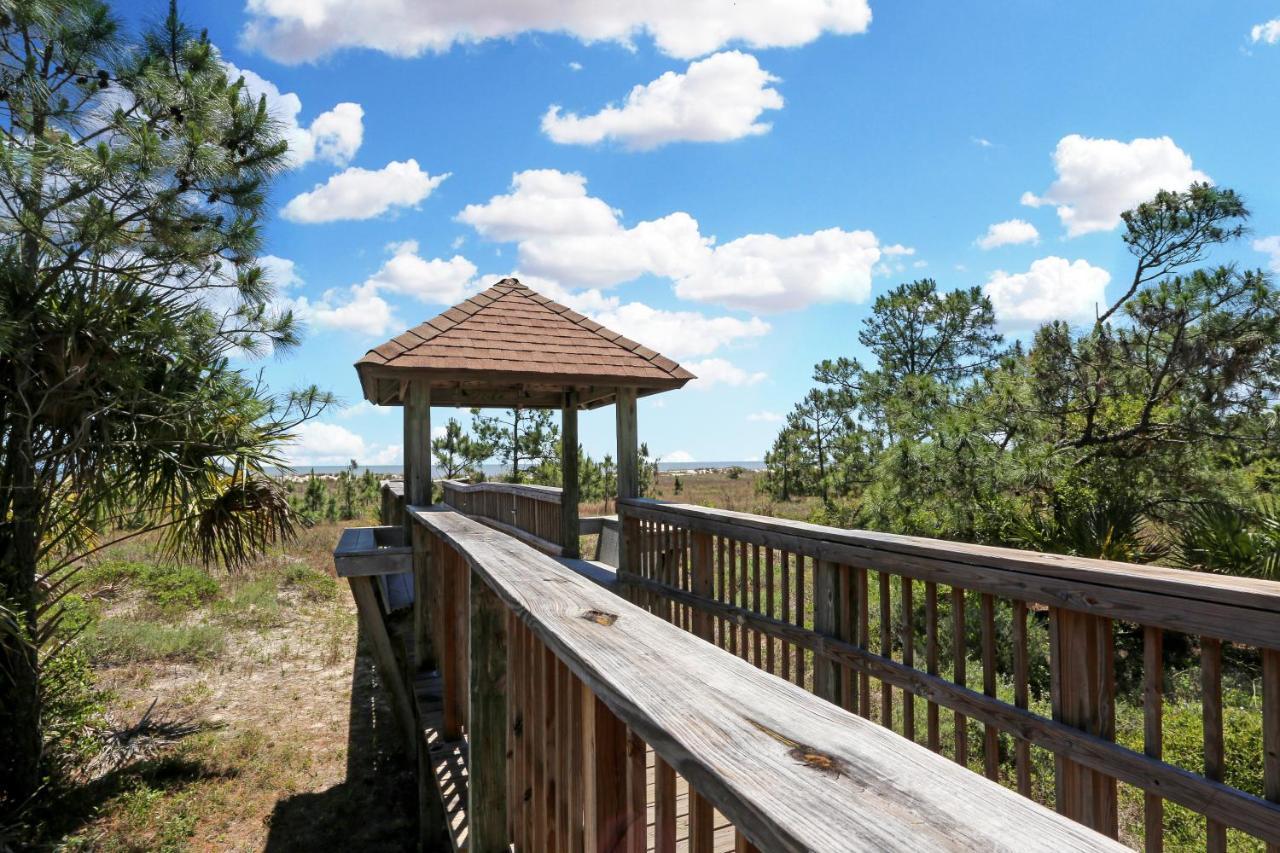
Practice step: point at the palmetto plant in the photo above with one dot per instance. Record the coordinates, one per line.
(1217, 537)
(133, 177)
(1107, 529)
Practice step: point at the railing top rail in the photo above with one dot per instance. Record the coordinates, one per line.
(790, 770)
(550, 494)
(396, 487)
(1227, 589)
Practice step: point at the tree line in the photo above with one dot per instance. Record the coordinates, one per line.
(1150, 433)
(526, 443)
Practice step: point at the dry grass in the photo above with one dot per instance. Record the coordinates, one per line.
(720, 490)
(296, 747)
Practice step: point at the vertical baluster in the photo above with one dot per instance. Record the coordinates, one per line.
(1271, 729)
(908, 658)
(846, 628)
(770, 657)
(732, 557)
(1211, 697)
(1153, 729)
(826, 622)
(637, 840)
(701, 823)
(605, 803)
(538, 735)
(933, 734)
(550, 747)
(786, 612)
(741, 844)
(722, 575)
(744, 601)
(530, 731)
(990, 734)
(864, 638)
(757, 654)
(886, 648)
(516, 715)
(487, 727)
(564, 734)
(664, 812)
(959, 654)
(800, 652)
(577, 766)
(1022, 755)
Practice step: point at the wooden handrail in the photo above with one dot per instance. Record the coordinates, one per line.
(824, 632)
(1238, 609)
(790, 771)
(550, 494)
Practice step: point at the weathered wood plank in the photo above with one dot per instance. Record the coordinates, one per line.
(1153, 730)
(568, 538)
(1232, 608)
(487, 731)
(1214, 758)
(1229, 805)
(1271, 730)
(733, 731)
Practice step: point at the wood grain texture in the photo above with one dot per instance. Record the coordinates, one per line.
(1271, 730)
(487, 733)
(789, 770)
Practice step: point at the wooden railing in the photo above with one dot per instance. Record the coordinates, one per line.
(900, 629)
(592, 725)
(516, 508)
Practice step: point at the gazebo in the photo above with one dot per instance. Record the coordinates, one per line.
(509, 347)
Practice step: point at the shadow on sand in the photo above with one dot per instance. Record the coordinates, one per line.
(376, 807)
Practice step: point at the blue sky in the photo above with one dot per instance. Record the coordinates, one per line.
(775, 171)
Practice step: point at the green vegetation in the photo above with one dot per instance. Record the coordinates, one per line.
(133, 183)
(1150, 434)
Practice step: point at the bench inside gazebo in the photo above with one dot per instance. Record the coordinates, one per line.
(711, 687)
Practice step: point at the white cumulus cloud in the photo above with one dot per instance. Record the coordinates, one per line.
(765, 272)
(1267, 32)
(564, 234)
(317, 443)
(1052, 288)
(301, 30)
(1270, 246)
(676, 456)
(334, 136)
(678, 334)
(719, 371)
(1098, 179)
(766, 417)
(1011, 232)
(361, 308)
(357, 193)
(717, 99)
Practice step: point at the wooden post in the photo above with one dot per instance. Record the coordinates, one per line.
(417, 492)
(703, 582)
(628, 445)
(1082, 676)
(569, 483)
(487, 721)
(604, 775)
(827, 605)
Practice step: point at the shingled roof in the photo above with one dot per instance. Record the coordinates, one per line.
(510, 346)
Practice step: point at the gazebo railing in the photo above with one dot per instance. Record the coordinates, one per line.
(883, 625)
(534, 511)
(586, 717)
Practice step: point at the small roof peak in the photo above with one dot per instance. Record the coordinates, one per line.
(510, 334)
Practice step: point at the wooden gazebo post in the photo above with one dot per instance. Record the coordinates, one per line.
(628, 462)
(569, 474)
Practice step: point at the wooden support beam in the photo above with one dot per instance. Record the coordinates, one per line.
(487, 719)
(375, 633)
(569, 483)
(827, 616)
(1082, 682)
(417, 492)
(703, 583)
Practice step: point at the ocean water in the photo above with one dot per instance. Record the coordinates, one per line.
(498, 470)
